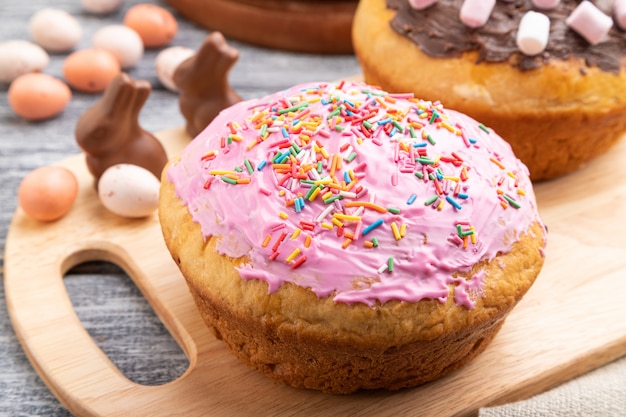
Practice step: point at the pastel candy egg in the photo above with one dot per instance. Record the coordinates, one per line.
(533, 32)
(18, 57)
(90, 70)
(48, 193)
(129, 190)
(101, 6)
(155, 25)
(121, 41)
(55, 30)
(166, 63)
(37, 96)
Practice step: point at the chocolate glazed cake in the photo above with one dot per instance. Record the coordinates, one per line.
(557, 109)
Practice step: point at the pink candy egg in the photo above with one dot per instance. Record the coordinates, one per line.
(155, 25)
(37, 96)
(91, 70)
(48, 193)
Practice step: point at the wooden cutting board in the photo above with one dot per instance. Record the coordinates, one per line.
(571, 321)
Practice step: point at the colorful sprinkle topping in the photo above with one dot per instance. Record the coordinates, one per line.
(362, 195)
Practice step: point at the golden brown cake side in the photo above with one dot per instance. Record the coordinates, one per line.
(556, 117)
(293, 336)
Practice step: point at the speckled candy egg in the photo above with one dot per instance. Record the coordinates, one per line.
(91, 70)
(166, 63)
(55, 30)
(129, 190)
(48, 193)
(156, 26)
(101, 6)
(37, 96)
(19, 57)
(121, 41)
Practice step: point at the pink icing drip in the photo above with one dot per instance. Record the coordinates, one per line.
(424, 259)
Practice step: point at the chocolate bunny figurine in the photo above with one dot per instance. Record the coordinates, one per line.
(203, 82)
(109, 131)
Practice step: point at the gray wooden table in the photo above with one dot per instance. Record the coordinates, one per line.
(111, 308)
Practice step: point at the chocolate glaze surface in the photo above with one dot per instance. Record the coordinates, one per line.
(440, 33)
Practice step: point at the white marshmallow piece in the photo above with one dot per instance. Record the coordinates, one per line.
(421, 4)
(475, 13)
(533, 33)
(590, 22)
(545, 4)
(619, 10)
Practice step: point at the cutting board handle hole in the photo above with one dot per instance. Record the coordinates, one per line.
(137, 342)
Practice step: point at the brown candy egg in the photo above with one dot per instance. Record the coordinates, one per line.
(48, 193)
(37, 96)
(155, 25)
(91, 70)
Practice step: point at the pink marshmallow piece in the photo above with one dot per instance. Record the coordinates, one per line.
(421, 4)
(590, 22)
(546, 4)
(475, 13)
(619, 10)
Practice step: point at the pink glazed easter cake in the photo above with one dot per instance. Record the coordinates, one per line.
(337, 237)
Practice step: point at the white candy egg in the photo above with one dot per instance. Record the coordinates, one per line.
(166, 63)
(129, 190)
(18, 57)
(101, 6)
(123, 42)
(55, 30)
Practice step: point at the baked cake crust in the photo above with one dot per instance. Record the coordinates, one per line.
(293, 336)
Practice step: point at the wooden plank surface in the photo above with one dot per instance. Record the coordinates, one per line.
(571, 320)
